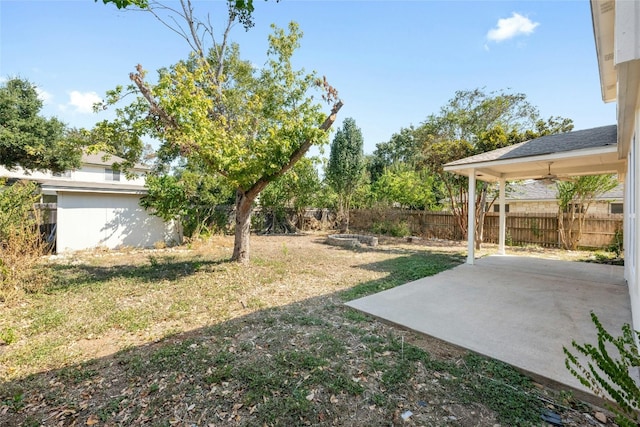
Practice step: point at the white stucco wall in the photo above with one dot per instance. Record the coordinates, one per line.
(90, 220)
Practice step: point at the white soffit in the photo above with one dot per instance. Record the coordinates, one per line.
(603, 16)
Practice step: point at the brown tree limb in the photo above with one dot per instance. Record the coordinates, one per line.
(295, 156)
(154, 109)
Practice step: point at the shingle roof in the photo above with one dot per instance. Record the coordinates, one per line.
(104, 159)
(570, 141)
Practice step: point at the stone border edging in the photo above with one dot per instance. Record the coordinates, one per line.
(351, 240)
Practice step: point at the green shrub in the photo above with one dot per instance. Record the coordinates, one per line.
(617, 243)
(395, 229)
(608, 376)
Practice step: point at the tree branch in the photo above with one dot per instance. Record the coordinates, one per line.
(138, 79)
(295, 156)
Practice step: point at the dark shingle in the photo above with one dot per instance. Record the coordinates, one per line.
(558, 143)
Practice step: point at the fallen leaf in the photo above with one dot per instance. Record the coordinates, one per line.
(310, 396)
(92, 420)
(600, 417)
(333, 399)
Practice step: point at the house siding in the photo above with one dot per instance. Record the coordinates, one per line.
(109, 221)
(550, 207)
(93, 211)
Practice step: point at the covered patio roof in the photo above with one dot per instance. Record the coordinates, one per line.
(584, 152)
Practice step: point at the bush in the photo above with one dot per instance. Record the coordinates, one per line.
(607, 376)
(21, 245)
(617, 243)
(395, 229)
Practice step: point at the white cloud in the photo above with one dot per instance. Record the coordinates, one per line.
(508, 28)
(44, 96)
(82, 102)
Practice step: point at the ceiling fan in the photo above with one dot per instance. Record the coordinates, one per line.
(549, 178)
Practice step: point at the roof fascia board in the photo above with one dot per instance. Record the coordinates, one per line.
(60, 189)
(603, 17)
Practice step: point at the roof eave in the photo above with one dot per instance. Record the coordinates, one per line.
(603, 18)
(491, 170)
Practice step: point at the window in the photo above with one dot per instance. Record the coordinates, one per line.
(49, 198)
(65, 174)
(496, 207)
(616, 208)
(111, 175)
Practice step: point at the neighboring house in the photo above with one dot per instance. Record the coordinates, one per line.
(536, 197)
(98, 206)
(616, 27)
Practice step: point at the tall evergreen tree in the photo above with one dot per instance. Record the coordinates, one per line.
(346, 166)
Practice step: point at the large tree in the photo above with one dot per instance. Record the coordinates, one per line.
(474, 122)
(30, 140)
(345, 168)
(405, 187)
(400, 150)
(248, 125)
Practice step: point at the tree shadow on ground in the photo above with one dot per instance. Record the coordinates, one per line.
(154, 269)
(312, 362)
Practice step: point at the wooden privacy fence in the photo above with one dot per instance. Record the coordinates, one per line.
(521, 228)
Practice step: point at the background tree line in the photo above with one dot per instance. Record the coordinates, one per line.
(229, 133)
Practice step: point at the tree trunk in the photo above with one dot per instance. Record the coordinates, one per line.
(343, 215)
(244, 207)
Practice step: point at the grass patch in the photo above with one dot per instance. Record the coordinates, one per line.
(404, 269)
(189, 339)
(131, 319)
(501, 388)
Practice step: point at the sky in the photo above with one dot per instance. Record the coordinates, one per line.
(393, 62)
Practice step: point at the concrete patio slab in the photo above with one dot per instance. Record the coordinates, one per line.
(520, 310)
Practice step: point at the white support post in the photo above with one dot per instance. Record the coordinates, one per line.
(503, 217)
(471, 219)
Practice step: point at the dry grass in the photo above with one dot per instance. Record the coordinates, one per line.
(182, 337)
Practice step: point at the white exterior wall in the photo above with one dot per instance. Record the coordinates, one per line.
(627, 64)
(632, 228)
(19, 173)
(95, 173)
(87, 173)
(90, 220)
